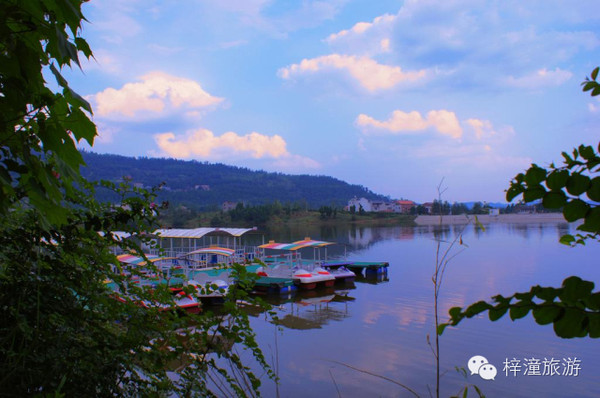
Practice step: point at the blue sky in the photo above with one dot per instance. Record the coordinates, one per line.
(392, 95)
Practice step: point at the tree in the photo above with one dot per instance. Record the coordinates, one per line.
(38, 127)
(63, 332)
(574, 186)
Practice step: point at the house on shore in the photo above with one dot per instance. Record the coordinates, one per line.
(228, 206)
(396, 206)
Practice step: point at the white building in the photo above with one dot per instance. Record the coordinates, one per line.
(357, 203)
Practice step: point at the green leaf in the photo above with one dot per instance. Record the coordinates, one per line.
(535, 175)
(575, 210)
(593, 191)
(587, 152)
(441, 328)
(455, 312)
(477, 308)
(535, 193)
(594, 325)
(81, 126)
(77, 100)
(59, 79)
(575, 289)
(519, 310)
(568, 160)
(554, 200)
(567, 239)
(595, 73)
(578, 184)
(83, 46)
(557, 179)
(514, 191)
(570, 324)
(592, 221)
(497, 312)
(547, 293)
(546, 313)
(593, 302)
(587, 86)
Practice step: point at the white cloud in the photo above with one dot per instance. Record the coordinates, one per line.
(230, 146)
(370, 74)
(540, 79)
(156, 92)
(445, 122)
(362, 27)
(472, 155)
(203, 143)
(481, 128)
(385, 45)
(478, 39)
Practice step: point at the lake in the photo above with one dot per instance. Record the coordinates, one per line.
(381, 326)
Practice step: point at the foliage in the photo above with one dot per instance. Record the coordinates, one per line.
(573, 309)
(205, 186)
(38, 127)
(64, 329)
(328, 212)
(573, 187)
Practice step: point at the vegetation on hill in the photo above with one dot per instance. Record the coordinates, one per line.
(203, 186)
(274, 214)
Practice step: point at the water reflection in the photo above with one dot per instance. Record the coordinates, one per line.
(381, 325)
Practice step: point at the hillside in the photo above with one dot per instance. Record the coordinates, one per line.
(203, 185)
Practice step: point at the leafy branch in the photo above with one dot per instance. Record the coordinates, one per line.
(573, 309)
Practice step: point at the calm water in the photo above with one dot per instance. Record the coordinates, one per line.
(382, 327)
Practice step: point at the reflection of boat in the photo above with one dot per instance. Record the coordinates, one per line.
(313, 309)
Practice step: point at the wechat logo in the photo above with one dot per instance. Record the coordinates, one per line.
(479, 365)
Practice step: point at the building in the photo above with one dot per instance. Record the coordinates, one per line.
(358, 203)
(228, 206)
(428, 207)
(396, 206)
(405, 205)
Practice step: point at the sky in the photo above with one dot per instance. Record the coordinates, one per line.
(392, 95)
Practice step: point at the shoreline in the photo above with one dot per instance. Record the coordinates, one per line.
(487, 219)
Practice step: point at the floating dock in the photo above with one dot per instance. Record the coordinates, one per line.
(370, 267)
(268, 284)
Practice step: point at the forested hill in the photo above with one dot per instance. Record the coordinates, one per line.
(204, 185)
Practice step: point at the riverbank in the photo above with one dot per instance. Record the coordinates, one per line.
(488, 219)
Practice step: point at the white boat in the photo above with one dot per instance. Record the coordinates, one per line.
(340, 272)
(310, 279)
(209, 289)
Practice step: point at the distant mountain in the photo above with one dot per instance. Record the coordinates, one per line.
(204, 185)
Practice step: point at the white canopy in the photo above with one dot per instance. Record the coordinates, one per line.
(197, 233)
